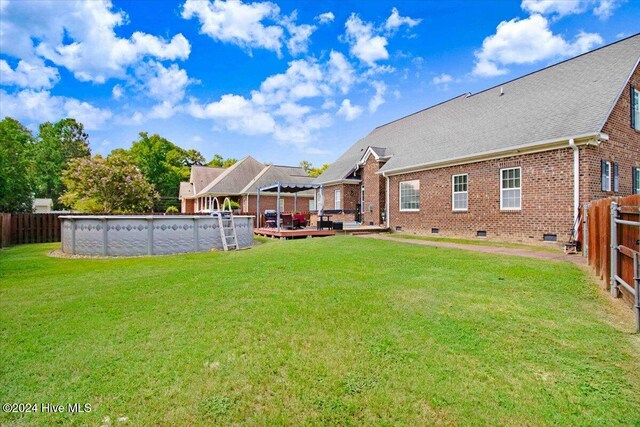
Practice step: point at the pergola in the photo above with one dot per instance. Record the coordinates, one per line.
(282, 187)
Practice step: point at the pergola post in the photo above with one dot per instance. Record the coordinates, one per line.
(295, 202)
(258, 209)
(278, 209)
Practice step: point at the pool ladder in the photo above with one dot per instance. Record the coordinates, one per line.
(227, 226)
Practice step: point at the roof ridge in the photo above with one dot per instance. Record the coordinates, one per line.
(469, 94)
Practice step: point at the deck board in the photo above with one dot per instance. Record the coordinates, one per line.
(293, 234)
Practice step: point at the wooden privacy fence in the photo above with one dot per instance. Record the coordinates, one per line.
(19, 228)
(611, 234)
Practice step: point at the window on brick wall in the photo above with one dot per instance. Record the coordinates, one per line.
(410, 195)
(312, 205)
(337, 202)
(281, 204)
(510, 189)
(635, 108)
(605, 176)
(635, 173)
(460, 197)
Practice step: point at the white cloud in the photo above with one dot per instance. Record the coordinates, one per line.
(395, 21)
(164, 83)
(443, 80)
(237, 23)
(605, 8)
(601, 8)
(525, 41)
(378, 98)
(117, 92)
(40, 106)
(299, 34)
(80, 36)
(325, 18)
(290, 106)
(365, 44)
(28, 75)
(340, 72)
(348, 111)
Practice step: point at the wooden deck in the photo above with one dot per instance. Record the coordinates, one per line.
(293, 234)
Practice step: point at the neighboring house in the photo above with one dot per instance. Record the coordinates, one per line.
(514, 161)
(239, 182)
(42, 205)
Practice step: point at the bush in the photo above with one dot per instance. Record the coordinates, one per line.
(172, 209)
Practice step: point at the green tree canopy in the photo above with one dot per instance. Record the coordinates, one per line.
(220, 162)
(57, 144)
(107, 185)
(163, 163)
(308, 167)
(16, 184)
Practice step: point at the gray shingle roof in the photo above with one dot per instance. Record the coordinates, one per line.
(567, 99)
(285, 174)
(234, 178)
(186, 190)
(201, 176)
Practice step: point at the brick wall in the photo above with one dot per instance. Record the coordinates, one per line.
(547, 187)
(623, 147)
(186, 206)
(350, 194)
(374, 192)
(547, 199)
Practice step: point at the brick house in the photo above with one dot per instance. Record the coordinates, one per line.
(239, 183)
(512, 162)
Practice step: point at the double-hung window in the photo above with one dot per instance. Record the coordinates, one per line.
(635, 174)
(605, 176)
(337, 202)
(410, 195)
(610, 173)
(510, 189)
(460, 197)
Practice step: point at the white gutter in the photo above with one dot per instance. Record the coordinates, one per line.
(547, 145)
(576, 182)
(386, 208)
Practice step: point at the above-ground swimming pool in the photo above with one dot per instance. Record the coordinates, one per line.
(130, 235)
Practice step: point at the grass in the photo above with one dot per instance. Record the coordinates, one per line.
(551, 247)
(334, 331)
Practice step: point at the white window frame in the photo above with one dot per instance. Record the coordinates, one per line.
(608, 175)
(413, 181)
(312, 204)
(454, 192)
(502, 208)
(337, 200)
(282, 204)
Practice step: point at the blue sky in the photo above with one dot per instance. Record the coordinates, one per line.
(281, 81)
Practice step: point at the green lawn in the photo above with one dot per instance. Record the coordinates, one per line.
(334, 331)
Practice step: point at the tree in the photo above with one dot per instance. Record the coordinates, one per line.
(311, 171)
(193, 157)
(106, 185)
(57, 144)
(16, 184)
(220, 162)
(162, 163)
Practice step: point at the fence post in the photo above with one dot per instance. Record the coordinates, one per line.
(636, 280)
(614, 250)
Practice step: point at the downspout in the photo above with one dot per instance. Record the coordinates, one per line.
(576, 182)
(387, 203)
